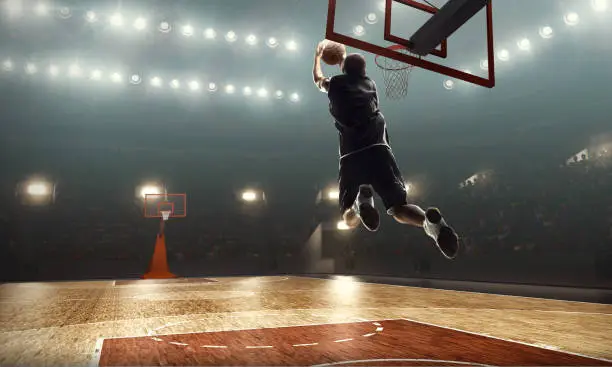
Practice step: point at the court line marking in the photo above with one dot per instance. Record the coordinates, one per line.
(305, 345)
(259, 346)
(457, 291)
(401, 360)
(507, 340)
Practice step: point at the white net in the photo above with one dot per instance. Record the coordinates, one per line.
(165, 214)
(396, 75)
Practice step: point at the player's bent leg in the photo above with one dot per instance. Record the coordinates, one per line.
(364, 206)
(408, 214)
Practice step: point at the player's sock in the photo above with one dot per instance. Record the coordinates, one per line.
(446, 239)
(364, 206)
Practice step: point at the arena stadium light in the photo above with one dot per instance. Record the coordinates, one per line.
(599, 5)
(279, 94)
(96, 74)
(53, 70)
(7, 65)
(135, 79)
(292, 45)
(342, 226)
(187, 30)
(91, 16)
(571, 19)
(156, 82)
(140, 23)
(332, 195)
(262, 93)
(212, 87)
(503, 55)
(484, 64)
(37, 192)
(382, 6)
(74, 71)
(249, 196)
(194, 85)
(116, 20)
(38, 188)
(448, 84)
(175, 84)
(149, 189)
(272, 42)
(359, 30)
(31, 68)
(294, 97)
(371, 18)
(116, 78)
(546, 32)
(251, 40)
(41, 9)
(64, 12)
(524, 44)
(230, 89)
(210, 33)
(231, 36)
(164, 27)
(247, 91)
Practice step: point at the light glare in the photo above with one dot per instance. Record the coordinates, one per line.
(74, 71)
(175, 84)
(291, 45)
(31, 68)
(371, 18)
(571, 19)
(251, 39)
(262, 93)
(194, 85)
(53, 70)
(279, 94)
(41, 9)
(96, 74)
(135, 79)
(294, 97)
(116, 78)
(140, 23)
(7, 65)
(599, 5)
(247, 91)
(187, 30)
(38, 189)
(212, 87)
(164, 27)
(484, 64)
(230, 89)
(342, 226)
(546, 32)
(524, 44)
(249, 196)
(116, 20)
(231, 36)
(449, 84)
(210, 33)
(504, 55)
(359, 30)
(156, 82)
(272, 42)
(91, 17)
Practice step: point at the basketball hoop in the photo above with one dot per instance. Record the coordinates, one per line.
(396, 74)
(165, 214)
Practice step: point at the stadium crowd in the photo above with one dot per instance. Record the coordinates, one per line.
(554, 227)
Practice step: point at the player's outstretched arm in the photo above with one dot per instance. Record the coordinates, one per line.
(317, 74)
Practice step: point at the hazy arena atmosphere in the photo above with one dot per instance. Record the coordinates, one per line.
(305, 183)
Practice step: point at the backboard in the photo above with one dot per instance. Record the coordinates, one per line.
(155, 204)
(453, 38)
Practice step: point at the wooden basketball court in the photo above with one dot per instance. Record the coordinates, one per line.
(291, 321)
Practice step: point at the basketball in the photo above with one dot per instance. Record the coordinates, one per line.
(334, 53)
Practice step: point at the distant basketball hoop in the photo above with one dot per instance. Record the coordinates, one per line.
(396, 74)
(165, 214)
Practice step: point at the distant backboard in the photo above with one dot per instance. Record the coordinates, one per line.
(155, 204)
(449, 37)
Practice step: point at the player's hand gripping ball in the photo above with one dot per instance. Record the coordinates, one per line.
(332, 53)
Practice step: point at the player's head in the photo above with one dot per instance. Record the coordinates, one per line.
(354, 64)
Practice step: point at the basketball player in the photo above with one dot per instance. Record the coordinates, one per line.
(367, 163)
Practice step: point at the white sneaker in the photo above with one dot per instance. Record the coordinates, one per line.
(446, 239)
(364, 207)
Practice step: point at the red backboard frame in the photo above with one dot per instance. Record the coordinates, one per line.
(160, 200)
(488, 82)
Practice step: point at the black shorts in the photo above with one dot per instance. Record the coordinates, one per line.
(374, 166)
